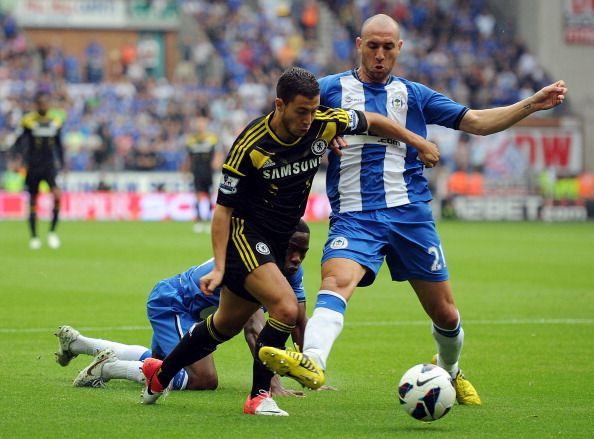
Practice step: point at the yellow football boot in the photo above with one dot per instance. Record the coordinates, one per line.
(294, 365)
(466, 394)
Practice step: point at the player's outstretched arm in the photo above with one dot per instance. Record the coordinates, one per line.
(379, 124)
(221, 221)
(493, 120)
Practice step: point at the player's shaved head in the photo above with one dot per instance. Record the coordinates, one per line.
(380, 23)
(379, 46)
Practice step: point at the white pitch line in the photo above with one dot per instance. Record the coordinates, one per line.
(347, 324)
(477, 322)
(81, 328)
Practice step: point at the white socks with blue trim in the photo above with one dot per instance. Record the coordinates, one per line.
(449, 345)
(324, 326)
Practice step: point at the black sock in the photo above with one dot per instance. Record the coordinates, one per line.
(200, 341)
(55, 216)
(33, 222)
(275, 333)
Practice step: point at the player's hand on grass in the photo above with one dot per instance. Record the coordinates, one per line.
(210, 281)
(276, 389)
(327, 387)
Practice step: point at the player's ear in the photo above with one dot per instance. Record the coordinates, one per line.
(358, 42)
(279, 105)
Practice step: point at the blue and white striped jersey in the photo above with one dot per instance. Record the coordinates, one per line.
(375, 172)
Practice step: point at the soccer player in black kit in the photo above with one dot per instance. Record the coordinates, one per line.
(39, 146)
(203, 150)
(266, 181)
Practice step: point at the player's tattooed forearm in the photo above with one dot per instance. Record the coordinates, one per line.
(527, 106)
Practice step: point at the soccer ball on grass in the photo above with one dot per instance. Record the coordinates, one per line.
(426, 392)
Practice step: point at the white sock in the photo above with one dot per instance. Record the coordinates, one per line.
(123, 369)
(91, 346)
(324, 327)
(204, 207)
(449, 346)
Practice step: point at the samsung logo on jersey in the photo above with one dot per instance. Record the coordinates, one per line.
(41, 131)
(292, 169)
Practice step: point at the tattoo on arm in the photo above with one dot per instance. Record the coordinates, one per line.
(527, 106)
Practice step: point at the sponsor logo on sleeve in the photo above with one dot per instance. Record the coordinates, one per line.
(228, 184)
(353, 119)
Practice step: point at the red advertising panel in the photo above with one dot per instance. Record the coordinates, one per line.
(114, 206)
(579, 21)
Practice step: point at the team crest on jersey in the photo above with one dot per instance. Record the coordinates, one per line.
(396, 102)
(262, 248)
(339, 242)
(228, 184)
(319, 146)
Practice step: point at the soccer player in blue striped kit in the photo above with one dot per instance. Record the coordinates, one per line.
(380, 198)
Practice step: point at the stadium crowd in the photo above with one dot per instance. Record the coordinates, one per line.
(129, 118)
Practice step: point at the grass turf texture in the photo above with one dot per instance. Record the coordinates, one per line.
(525, 290)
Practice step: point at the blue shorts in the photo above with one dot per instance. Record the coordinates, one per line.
(405, 236)
(169, 317)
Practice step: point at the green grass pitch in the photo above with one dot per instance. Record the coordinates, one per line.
(525, 291)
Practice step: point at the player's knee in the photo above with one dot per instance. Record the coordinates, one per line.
(285, 312)
(338, 278)
(446, 317)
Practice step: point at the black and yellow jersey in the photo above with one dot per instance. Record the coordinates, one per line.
(39, 142)
(201, 149)
(267, 181)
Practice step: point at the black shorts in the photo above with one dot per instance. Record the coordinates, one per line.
(247, 249)
(202, 180)
(36, 175)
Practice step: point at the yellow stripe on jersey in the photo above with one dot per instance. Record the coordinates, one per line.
(324, 112)
(259, 159)
(329, 132)
(31, 119)
(333, 113)
(250, 137)
(241, 244)
(280, 326)
(235, 171)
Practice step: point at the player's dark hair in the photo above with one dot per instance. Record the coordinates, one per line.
(41, 94)
(302, 227)
(296, 81)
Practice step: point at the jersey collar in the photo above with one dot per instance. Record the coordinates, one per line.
(355, 73)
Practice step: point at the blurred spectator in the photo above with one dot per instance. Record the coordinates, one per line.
(148, 52)
(130, 117)
(94, 63)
